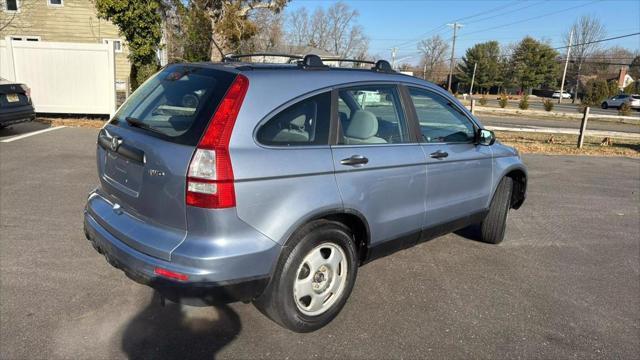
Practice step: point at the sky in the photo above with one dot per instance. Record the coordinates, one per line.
(402, 23)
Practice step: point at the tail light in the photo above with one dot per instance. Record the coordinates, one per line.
(28, 93)
(170, 274)
(210, 176)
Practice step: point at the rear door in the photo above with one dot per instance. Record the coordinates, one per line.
(459, 172)
(144, 154)
(379, 165)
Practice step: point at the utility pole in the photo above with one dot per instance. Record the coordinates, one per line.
(566, 63)
(453, 51)
(394, 50)
(473, 78)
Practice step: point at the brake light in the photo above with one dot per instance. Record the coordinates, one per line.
(210, 176)
(28, 93)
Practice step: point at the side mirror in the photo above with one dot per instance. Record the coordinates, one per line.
(485, 137)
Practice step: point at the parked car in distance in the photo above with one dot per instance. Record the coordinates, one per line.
(15, 103)
(565, 95)
(634, 102)
(271, 183)
(618, 100)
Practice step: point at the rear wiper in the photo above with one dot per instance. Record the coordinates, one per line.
(135, 122)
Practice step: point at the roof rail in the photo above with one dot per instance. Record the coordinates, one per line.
(355, 61)
(379, 66)
(314, 62)
(236, 57)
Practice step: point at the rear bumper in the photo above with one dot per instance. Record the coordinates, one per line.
(203, 287)
(17, 115)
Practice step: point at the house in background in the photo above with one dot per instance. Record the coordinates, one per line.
(624, 79)
(73, 21)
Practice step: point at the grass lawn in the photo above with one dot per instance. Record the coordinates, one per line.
(562, 144)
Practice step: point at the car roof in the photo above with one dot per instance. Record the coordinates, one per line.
(315, 78)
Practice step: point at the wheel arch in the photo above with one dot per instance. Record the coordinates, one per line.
(518, 173)
(351, 218)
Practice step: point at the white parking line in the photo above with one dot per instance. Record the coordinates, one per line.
(31, 134)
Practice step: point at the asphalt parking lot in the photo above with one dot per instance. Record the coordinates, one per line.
(564, 284)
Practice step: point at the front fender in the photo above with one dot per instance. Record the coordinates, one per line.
(511, 165)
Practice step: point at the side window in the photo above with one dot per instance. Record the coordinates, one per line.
(375, 116)
(440, 119)
(304, 123)
(344, 112)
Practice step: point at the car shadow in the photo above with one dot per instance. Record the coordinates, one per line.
(22, 128)
(635, 147)
(471, 232)
(176, 331)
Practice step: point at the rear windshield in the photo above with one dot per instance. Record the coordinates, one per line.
(176, 103)
(635, 96)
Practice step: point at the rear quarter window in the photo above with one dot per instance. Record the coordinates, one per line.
(304, 123)
(177, 103)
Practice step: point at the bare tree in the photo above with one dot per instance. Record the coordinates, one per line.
(607, 61)
(334, 30)
(269, 33)
(434, 50)
(586, 30)
(232, 24)
(298, 33)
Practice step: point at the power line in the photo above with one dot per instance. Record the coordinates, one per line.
(504, 13)
(598, 41)
(444, 26)
(532, 18)
(487, 12)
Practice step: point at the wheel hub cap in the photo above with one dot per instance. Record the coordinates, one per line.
(320, 279)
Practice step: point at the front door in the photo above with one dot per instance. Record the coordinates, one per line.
(379, 165)
(459, 172)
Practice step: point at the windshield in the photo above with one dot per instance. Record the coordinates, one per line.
(176, 103)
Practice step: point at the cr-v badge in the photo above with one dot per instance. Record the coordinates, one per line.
(154, 172)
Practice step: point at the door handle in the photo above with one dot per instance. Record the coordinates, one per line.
(439, 154)
(354, 160)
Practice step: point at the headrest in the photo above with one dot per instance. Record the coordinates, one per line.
(363, 125)
(299, 122)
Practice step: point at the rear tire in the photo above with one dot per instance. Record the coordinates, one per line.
(309, 258)
(493, 227)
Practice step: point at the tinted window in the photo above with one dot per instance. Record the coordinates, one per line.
(440, 119)
(375, 116)
(177, 103)
(304, 123)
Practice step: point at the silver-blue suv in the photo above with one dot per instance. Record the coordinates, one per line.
(271, 183)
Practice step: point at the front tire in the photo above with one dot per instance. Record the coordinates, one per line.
(313, 279)
(604, 105)
(493, 227)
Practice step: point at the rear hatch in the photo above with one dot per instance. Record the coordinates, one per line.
(144, 154)
(13, 95)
